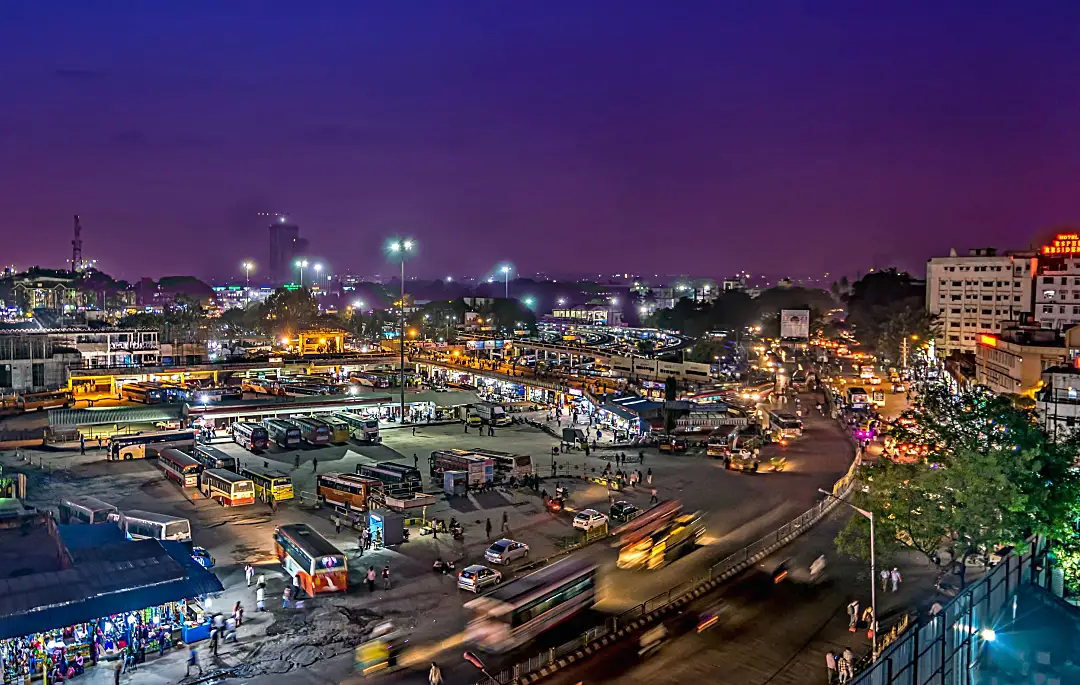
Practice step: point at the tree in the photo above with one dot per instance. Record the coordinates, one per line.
(508, 314)
(706, 350)
(991, 477)
(286, 311)
(886, 308)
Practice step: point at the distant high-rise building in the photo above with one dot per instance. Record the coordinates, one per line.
(285, 245)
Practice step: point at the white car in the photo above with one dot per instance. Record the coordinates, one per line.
(587, 519)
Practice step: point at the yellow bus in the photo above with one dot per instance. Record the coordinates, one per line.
(339, 429)
(269, 483)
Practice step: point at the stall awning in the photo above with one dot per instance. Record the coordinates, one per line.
(619, 411)
(73, 418)
(104, 581)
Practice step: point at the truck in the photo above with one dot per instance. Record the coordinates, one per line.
(491, 413)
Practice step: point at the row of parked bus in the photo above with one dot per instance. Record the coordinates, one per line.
(220, 477)
(163, 392)
(331, 428)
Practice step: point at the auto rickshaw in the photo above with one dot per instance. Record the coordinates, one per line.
(381, 652)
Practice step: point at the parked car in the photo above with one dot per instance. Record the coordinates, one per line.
(623, 511)
(587, 519)
(477, 577)
(505, 550)
(205, 559)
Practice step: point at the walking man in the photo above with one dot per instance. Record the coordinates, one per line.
(487, 528)
(653, 499)
(371, 579)
(415, 461)
(249, 573)
(895, 577)
(414, 429)
(214, 632)
(434, 675)
(849, 664)
(386, 577)
(884, 579)
(853, 615)
(314, 464)
(648, 476)
(296, 462)
(830, 663)
(505, 523)
(260, 599)
(337, 524)
(193, 660)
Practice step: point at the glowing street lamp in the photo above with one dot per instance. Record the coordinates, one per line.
(400, 248)
(318, 272)
(301, 264)
(506, 279)
(247, 267)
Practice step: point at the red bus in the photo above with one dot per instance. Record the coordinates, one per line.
(311, 559)
(180, 467)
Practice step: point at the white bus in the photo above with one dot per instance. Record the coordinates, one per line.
(146, 525)
(85, 510)
(522, 609)
(179, 467)
(140, 445)
(251, 436)
(507, 465)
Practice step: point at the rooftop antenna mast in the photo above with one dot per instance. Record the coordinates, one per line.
(76, 246)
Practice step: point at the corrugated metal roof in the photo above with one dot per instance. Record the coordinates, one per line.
(119, 415)
(450, 398)
(104, 581)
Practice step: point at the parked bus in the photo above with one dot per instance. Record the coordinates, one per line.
(85, 510)
(507, 465)
(519, 611)
(299, 390)
(212, 395)
(312, 431)
(144, 393)
(176, 392)
(36, 401)
(662, 543)
(398, 480)
(270, 485)
(311, 559)
(250, 435)
(346, 490)
(213, 458)
(261, 386)
(147, 525)
(339, 429)
(141, 445)
(480, 470)
(364, 429)
(227, 488)
(180, 467)
(282, 433)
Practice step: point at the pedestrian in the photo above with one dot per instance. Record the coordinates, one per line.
(249, 573)
(238, 613)
(337, 524)
(653, 499)
(415, 461)
(868, 618)
(830, 663)
(884, 579)
(193, 660)
(371, 579)
(414, 430)
(261, 585)
(82, 444)
(260, 599)
(849, 664)
(648, 476)
(360, 544)
(487, 528)
(894, 575)
(314, 464)
(99, 442)
(386, 577)
(505, 522)
(434, 675)
(285, 598)
(230, 630)
(853, 615)
(296, 462)
(367, 538)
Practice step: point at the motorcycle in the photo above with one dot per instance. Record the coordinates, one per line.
(780, 572)
(443, 567)
(651, 641)
(458, 532)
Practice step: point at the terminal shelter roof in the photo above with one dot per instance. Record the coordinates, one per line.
(117, 415)
(104, 580)
(451, 398)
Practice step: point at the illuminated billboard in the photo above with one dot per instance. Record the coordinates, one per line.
(795, 323)
(1064, 245)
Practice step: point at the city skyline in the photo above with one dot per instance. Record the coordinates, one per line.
(580, 138)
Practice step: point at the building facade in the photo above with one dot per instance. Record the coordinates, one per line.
(1013, 362)
(31, 361)
(973, 295)
(111, 347)
(285, 246)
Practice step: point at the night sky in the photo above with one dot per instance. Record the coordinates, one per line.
(563, 136)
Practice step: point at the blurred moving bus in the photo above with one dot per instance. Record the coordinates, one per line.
(311, 559)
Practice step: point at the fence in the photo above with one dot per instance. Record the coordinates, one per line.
(944, 650)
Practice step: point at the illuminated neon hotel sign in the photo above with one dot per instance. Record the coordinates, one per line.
(1065, 244)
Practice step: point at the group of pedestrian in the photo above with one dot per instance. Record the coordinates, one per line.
(841, 668)
(371, 576)
(888, 576)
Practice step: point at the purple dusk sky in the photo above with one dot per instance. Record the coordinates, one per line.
(564, 135)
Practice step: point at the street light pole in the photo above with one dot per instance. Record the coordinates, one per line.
(506, 281)
(401, 247)
(873, 566)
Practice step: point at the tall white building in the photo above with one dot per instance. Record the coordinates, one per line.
(1057, 294)
(974, 294)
